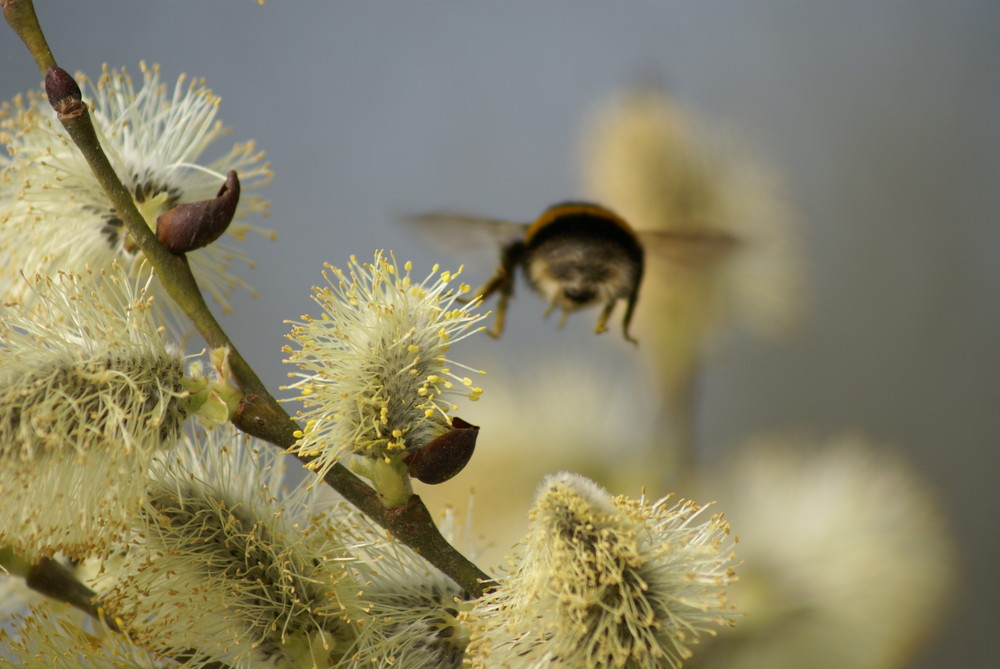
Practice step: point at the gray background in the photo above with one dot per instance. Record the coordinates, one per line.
(882, 116)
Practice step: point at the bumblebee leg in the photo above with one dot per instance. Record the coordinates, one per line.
(627, 318)
(501, 313)
(602, 320)
(548, 312)
(488, 288)
(500, 282)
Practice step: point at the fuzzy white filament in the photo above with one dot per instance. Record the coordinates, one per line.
(89, 391)
(224, 560)
(378, 382)
(411, 613)
(50, 638)
(606, 582)
(54, 215)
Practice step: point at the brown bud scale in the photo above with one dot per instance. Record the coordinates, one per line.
(444, 457)
(193, 225)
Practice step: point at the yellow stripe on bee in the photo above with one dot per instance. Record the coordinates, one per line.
(553, 214)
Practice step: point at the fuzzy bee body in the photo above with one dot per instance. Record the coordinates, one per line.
(575, 255)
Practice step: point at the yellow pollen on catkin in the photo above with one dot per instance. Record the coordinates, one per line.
(424, 317)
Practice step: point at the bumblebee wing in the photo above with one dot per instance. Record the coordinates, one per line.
(689, 246)
(466, 236)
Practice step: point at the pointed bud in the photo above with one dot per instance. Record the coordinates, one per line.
(63, 92)
(193, 225)
(444, 457)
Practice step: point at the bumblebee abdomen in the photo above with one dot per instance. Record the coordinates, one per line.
(584, 221)
(578, 254)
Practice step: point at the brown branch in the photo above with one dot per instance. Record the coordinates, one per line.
(259, 413)
(55, 581)
(52, 579)
(410, 523)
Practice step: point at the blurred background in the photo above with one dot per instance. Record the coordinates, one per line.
(881, 120)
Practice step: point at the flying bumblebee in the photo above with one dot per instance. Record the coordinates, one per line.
(575, 255)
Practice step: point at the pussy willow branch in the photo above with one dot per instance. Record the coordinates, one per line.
(50, 578)
(259, 413)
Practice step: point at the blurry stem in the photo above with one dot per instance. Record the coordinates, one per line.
(681, 398)
(50, 578)
(259, 414)
(678, 383)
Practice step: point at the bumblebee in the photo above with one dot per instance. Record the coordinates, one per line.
(576, 255)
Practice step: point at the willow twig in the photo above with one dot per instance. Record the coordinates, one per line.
(259, 413)
(52, 579)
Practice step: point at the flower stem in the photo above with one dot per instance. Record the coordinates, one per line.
(259, 413)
